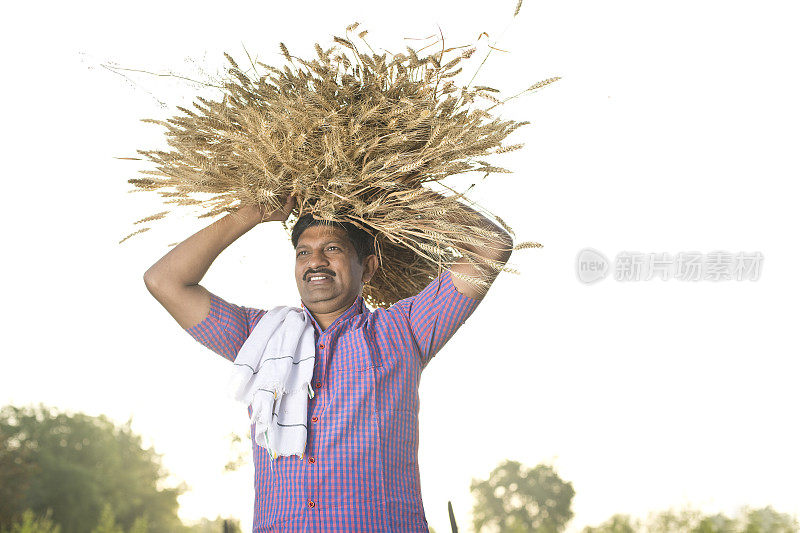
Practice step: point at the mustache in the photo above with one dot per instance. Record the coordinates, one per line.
(323, 271)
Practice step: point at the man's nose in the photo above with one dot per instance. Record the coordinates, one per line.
(317, 259)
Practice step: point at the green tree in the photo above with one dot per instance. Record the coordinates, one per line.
(671, 521)
(516, 499)
(16, 469)
(30, 523)
(218, 525)
(76, 465)
(718, 523)
(687, 520)
(139, 525)
(240, 452)
(768, 520)
(107, 522)
(618, 523)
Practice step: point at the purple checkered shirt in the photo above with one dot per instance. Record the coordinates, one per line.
(360, 471)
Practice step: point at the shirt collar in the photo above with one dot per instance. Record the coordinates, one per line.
(356, 308)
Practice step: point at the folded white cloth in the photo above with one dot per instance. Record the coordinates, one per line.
(272, 373)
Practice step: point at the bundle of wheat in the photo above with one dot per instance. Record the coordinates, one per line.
(354, 141)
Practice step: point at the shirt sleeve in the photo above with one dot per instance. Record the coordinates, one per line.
(225, 327)
(436, 313)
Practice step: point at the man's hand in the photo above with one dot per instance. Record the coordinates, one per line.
(278, 215)
(255, 214)
(174, 280)
(488, 252)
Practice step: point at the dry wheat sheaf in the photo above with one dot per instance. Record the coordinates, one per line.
(355, 137)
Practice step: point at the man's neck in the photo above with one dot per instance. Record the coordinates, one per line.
(326, 319)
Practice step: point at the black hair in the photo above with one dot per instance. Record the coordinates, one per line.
(362, 241)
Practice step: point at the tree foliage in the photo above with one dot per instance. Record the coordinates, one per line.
(517, 499)
(107, 522)
(29, 522)
(619, 523)
(88, 472)
(218, 525)
(765, 520)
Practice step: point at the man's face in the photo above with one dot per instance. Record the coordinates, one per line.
(327, 269)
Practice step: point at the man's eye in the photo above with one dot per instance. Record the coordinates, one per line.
(301, 253)
(333, 247)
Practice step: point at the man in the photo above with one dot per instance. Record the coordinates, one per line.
(360, 469)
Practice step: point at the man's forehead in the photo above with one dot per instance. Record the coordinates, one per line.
(315, 234)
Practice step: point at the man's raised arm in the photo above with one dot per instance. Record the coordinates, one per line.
(436, 312)
(489, 251)
(174, 280)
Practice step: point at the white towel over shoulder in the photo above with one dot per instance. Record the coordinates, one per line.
(272, 373)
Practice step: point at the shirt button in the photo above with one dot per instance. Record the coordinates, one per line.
(311, 503)
(321, 346)
(311, 460)
(318, 384)
(314, 418)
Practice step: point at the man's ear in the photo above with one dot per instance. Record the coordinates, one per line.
(370, 267)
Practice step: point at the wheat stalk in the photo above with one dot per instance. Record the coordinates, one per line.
(355, 137)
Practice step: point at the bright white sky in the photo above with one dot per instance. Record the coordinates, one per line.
(673, 129)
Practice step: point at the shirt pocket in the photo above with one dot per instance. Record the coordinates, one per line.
(353, 353)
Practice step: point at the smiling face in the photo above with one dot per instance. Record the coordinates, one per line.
(327, 270)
